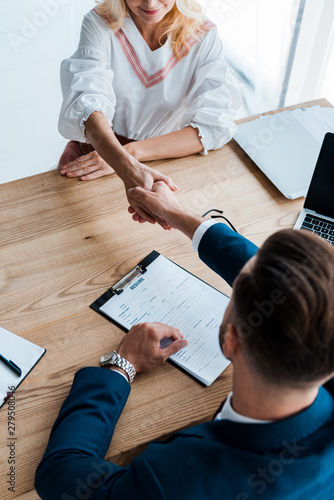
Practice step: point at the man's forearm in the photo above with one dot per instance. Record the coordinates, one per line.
(221, 248)
(225, 251)
(177, 144)
(82, 433)
(186, 222)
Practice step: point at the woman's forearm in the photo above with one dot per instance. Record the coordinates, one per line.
(127, 167)
(101, 136)
(177, 144)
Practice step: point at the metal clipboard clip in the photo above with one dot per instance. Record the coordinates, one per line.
(124, 282)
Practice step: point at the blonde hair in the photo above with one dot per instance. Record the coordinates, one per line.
(183, 21)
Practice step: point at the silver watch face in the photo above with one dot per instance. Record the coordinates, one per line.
(107, 357)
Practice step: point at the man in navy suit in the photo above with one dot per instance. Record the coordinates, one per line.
(273, 438)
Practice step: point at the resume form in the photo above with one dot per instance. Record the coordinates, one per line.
(167, 293)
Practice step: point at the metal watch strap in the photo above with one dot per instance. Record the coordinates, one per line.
(115, 359)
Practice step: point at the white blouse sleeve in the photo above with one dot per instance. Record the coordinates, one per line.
(213, 97)
(86, 80)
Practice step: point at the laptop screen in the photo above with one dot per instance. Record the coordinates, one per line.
(320, 196)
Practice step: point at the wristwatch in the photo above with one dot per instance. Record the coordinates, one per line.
(114, 359)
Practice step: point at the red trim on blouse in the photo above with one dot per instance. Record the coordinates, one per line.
(151, 80)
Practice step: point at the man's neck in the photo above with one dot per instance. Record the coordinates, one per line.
(262, 401)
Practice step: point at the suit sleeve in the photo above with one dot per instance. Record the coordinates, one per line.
(73, 465)
(225, 251)
(73, 462)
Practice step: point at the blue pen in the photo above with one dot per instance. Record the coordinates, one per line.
(11, 365)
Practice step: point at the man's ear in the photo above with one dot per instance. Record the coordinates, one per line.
(231, 343)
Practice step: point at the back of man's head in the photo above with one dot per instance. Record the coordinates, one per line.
(284, 309)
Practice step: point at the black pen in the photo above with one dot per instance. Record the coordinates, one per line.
(11, 365)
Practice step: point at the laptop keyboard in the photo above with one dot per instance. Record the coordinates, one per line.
(323, 227)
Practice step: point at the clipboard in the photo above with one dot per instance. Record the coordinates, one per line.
(158, 289)
(120, 286)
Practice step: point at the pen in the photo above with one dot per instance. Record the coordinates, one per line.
(11, 365)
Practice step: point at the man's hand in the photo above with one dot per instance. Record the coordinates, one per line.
(159, 201)
(163, 204)
(92, 165)
(141, 345)
(145, 177)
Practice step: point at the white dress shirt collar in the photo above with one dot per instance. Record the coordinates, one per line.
(228, 413)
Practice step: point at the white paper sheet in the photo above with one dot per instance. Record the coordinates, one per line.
(168, 294)
(23, 353)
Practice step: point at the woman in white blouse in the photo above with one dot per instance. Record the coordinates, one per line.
(148, 81)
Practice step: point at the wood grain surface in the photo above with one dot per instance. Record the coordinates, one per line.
(63, 243)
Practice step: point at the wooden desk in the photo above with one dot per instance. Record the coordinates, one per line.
(63, 243)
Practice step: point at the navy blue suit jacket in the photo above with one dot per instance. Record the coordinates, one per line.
(287, 459)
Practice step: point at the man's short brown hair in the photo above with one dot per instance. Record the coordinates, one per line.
(284, 309)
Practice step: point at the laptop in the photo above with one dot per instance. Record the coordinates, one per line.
(318, 212)
(286, 145)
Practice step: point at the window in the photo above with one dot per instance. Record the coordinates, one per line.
(281, 52)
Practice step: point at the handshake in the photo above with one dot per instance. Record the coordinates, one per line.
(141, 346)
(162, 206)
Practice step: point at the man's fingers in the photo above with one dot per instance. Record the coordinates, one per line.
(136, 218)
(141, 206)
(143, 215)
(134, 214)
(148, 345)
(140, 196)
(175, 347)
(162, 331)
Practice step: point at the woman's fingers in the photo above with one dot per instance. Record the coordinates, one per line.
(88, 167)
(169, 182)
(78, 163)
(80, 168)
(94, 175)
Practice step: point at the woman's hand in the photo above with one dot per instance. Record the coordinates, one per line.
(128, 168)
(141, 175)
(87, 167)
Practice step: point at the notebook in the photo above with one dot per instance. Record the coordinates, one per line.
(318, 212)
(158, 290)
(24, 354)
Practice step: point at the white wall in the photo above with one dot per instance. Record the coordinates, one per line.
(35, 36)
